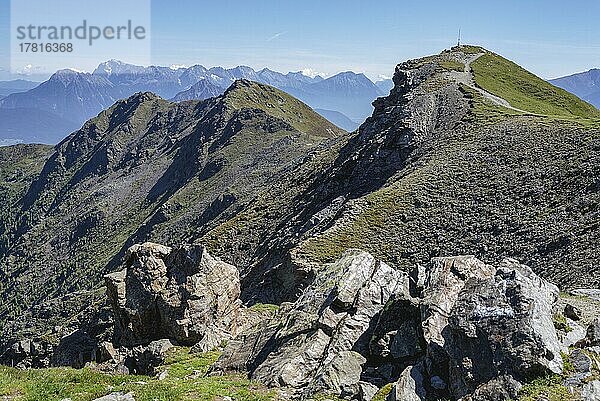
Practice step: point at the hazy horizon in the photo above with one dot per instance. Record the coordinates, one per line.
(551, 39)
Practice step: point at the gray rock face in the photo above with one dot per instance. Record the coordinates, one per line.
(136, 360)
(75, 350)
(572, 312)
(592, 336)
(474, 332)
(341, 375)
(575, 334)
(366, 391)
(318, 345)
(182, 294)
(581, 362)
(443, 284)
(485, 323)
(582, 368)
(591, 391)
(499, 389)
(474, 329)
(397, 334)
(409, 387)
(28, 353)
(396, 342)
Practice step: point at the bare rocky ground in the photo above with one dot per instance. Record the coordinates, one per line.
(589, 307)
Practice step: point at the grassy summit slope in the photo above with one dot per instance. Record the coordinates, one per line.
(248, 94)
(526, 91)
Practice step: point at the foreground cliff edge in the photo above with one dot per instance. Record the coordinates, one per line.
(469, 154)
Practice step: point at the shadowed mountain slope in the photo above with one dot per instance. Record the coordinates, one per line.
(150, 169)
(456, 160)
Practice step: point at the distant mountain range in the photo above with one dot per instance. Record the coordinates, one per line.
(385, 85)
(201, 90)
(585, 85)
(69, 98)
(338, 119)
(15, 86)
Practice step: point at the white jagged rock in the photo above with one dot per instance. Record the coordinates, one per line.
(183, 294)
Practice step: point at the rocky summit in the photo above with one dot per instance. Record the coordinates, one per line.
(242, 247)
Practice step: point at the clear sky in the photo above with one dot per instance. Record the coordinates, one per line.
(551, 38)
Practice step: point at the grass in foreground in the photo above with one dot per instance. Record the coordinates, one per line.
(265, 307)
(186, 380)
(546, 388)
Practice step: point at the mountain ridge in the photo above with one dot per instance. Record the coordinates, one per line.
(144, 128)
(15, 86)
(586, 85)
(461, 158)
(75, 97)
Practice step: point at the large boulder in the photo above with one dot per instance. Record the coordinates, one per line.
(396, 341)
(409, 386)
(75, 350)
(502, 388)
(484, 323)
(592, 337)
(320, 342)
(572, 335)
(141, 359)
(182, 294)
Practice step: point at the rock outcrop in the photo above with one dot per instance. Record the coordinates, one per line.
(409, 386)
(592, 336)
(182, 294)
(28, 353)
(320, 343)
(462, 329)
(141, 360)
(485, 323)
(456, 329)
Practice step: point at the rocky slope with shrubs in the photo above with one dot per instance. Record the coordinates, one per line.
(148, 168)
(256, 201)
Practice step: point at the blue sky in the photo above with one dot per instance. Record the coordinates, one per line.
(550, 38)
